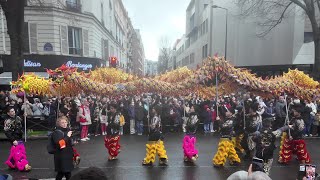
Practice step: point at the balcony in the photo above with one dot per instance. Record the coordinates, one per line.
(73, 6)
(75, 51)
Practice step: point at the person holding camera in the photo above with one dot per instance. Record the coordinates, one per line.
(63, 155)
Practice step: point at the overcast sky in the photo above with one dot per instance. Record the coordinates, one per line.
(157, 19)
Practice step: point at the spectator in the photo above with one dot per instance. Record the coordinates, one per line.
(250, 175)
(37, 108)
(103, 120)
(131, 114)
(280, 113)
(96, 120)
(207, 118)
(139, 116)
(311, 117)
(270, 110)
(84, 119)
(316, 124)
(27, 108)
(63, 156)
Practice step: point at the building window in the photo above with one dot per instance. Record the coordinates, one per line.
(33, 32)
(102, 14)
(308, 37)
(191, 58)
(206, 25)
(73, 5)
(26, 46)
(192, 21)
(205, 51)
(75, 40)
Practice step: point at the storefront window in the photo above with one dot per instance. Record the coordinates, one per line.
(75, 39)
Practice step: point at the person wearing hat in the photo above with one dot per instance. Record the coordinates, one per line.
(155, 142)
(292, 140)
(226, 147)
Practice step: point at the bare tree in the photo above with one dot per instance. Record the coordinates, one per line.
(272, 12)
(165, 54)
(14, 13)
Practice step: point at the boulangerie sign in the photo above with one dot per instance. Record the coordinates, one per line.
(79, 65)
(39, 63)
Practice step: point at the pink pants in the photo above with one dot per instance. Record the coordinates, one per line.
(84, 131)
(18, 157)
(103, 127)
(188, 146)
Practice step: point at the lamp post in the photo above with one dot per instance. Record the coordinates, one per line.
(226, 37)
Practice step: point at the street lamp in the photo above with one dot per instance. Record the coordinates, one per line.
(226, 37)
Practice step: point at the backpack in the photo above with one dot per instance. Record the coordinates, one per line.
(51, 147)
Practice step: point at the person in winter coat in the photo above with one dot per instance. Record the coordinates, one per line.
(63, 156)
(131, 114)
(85, 119)
(13, 131)
(207, 118)
(139, 116)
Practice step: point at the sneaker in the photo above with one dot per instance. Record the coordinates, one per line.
(306, 135)
(77, 161)
(310, 135)
(140, 134)
(27, 167)
(112, 158)
(146, 164)
(87, 138)
(163, 161)
(83, 139)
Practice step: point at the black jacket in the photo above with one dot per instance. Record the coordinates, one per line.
(13, 128)
(63, 157)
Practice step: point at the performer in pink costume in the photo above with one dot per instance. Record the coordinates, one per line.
(13, 130)
(189, 140)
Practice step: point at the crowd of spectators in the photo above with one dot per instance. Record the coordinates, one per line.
(172, 110)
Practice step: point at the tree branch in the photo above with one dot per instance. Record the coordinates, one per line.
(299, 3)
(273, 23)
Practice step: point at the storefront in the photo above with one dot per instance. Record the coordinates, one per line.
(39, 63)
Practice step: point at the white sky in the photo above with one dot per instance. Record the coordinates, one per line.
(157, 19)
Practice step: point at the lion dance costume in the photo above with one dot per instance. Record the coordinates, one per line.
(294, 144)
(18, 156)
(189, 140)
(111, 140)
(265, 144)
(155, 144)
(226, 147)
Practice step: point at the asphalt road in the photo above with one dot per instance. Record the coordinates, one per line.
(128, 166)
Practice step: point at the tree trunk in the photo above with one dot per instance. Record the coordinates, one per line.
(316, 68)
(14, 12)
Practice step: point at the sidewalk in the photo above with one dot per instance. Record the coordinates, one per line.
(31, 136)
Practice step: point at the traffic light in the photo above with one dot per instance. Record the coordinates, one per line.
(113, 62)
